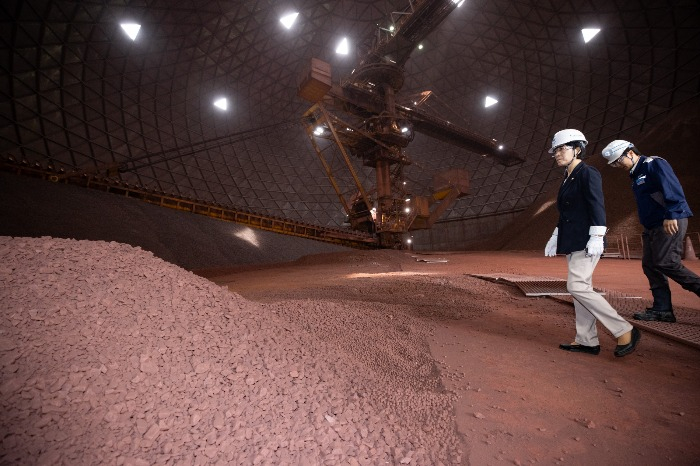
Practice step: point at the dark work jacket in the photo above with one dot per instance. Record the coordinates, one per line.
(581, 206)
(658, 192)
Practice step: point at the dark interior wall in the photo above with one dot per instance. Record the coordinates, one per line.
(457, 235)
(32, 207)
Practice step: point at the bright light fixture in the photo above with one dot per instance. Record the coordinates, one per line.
(458, 2)
(131, 29)
(589, 34)
(343, 48)
(420, 46)
(221, 103)
(288, 20)
(490, 101)
(318, 131)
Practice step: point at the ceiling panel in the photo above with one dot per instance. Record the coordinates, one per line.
(78, 94)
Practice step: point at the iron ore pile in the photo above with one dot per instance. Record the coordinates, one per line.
(109, 355)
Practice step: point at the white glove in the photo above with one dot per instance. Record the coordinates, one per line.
(595, 245)
(551, 249)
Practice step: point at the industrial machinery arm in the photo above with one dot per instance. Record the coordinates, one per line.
(376, 129)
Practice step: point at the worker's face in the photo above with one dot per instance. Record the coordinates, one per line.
(626, 161)
(564, 155)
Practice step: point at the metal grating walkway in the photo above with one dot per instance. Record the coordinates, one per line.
(686, 329)
(532, 286)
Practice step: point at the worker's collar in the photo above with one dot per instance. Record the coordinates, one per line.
(576, 162)
(639, 157)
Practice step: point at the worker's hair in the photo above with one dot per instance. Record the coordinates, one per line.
(581, 145)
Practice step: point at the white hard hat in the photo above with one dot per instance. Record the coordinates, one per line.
(616, 149)
(565, 136)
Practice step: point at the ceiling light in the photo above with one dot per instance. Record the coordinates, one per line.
(420, 46)
(458, 2)
(131, 29)
(318, 131)
(343, 48)
(589, 34)
(288, 20)
(490, 101)
(221, 103)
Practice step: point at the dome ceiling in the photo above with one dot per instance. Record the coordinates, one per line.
(78, 94)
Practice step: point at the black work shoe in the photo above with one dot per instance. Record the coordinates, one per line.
(581, 349)
(651, 315)
(624, 350)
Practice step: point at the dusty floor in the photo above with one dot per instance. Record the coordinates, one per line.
(521, 399)
(112, 356)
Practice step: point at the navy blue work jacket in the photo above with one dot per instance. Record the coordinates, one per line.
(658, 192)
(581, 206)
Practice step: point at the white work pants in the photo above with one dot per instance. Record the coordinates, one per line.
(588, 304)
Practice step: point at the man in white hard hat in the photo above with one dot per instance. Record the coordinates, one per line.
(663, 211)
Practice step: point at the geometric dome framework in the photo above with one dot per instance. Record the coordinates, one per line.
(78, 94)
